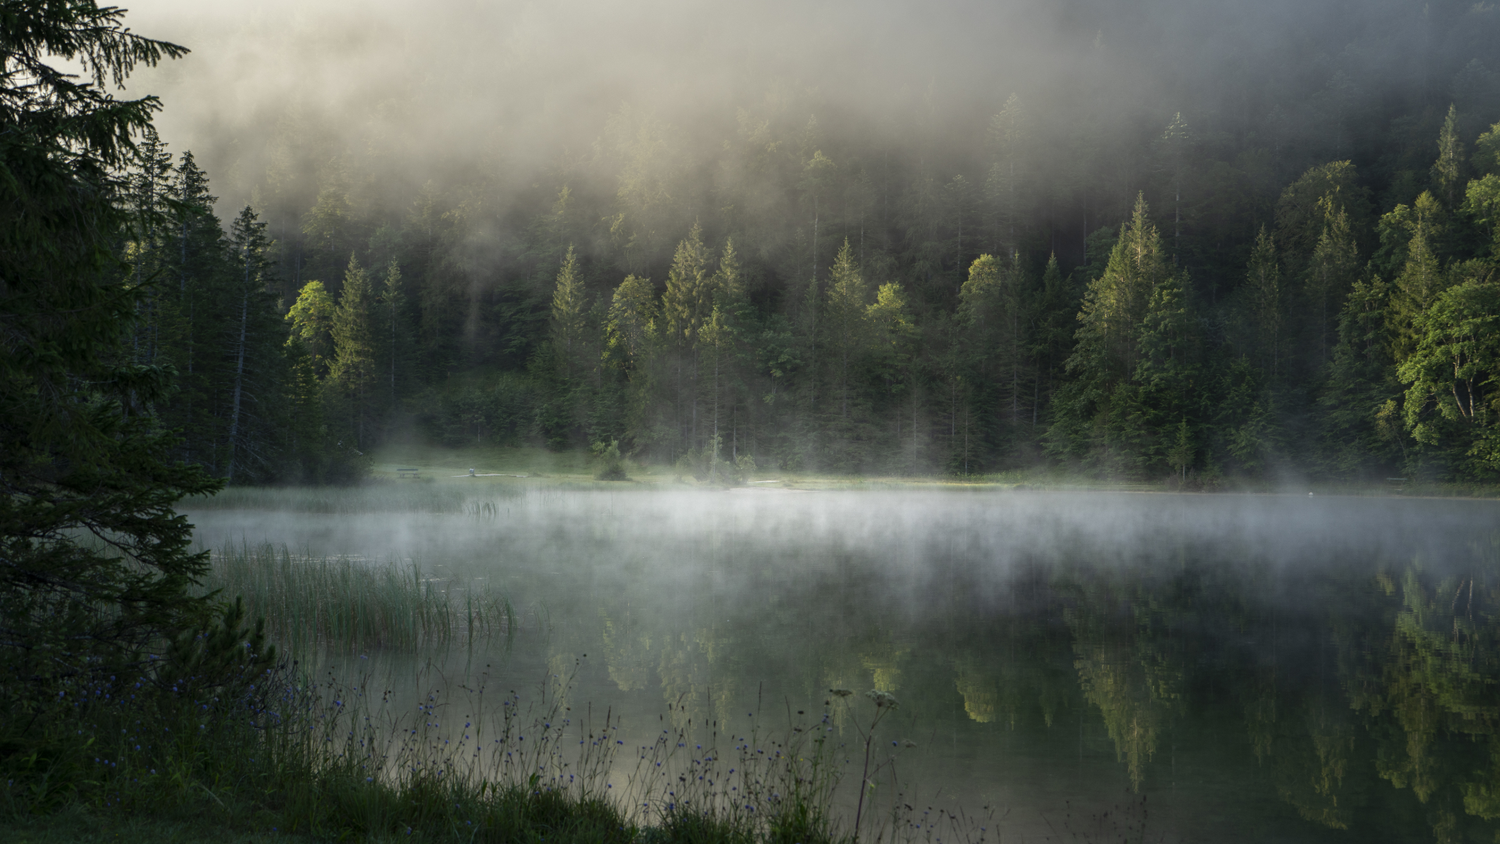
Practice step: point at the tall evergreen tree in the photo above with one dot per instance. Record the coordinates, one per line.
(1092, 408)
(1421, 277)
(393, 329)
(195, 264)
(79, 454)
(1447, 170)
(252, 369)
(846, 323)
(353, 373)
(1264, 306)
(568, 314)
(1335, 260)
(1361, 434)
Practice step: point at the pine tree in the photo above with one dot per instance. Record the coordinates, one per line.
(1052, 335)
(568, 314)
(631, 347)
(1422, 277)
(686, 305)
(572, 359)
(720, 356)
(1447, 171)
(894, 338)
(1093, 408)
(80, 455)
(845, 318)
(995, 317)
(1361, 381)
(1167, 373)
(392, 302)
(253, 371)
(631, 327)
(149, 195)
(1263, 286)
(353, 373)
(195, 264)
(1335, 261)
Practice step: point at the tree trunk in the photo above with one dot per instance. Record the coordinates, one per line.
(239, 380)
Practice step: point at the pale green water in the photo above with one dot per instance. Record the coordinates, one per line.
(1243, 668)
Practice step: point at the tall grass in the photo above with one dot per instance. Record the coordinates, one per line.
(273, 750)
(374, 497)
(350, 605)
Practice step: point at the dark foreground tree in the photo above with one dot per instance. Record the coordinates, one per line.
(95, 567)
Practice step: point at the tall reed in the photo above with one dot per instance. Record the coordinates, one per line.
(375, 497)
(350, 604)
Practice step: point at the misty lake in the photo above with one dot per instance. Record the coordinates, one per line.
(1226, 667)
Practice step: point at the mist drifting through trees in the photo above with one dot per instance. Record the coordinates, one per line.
(1143, 240)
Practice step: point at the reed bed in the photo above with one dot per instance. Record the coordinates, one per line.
(373, 497)
(350, 604)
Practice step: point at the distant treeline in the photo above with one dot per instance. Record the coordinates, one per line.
(816, 298)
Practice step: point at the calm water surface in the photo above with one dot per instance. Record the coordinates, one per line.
(1226, 668)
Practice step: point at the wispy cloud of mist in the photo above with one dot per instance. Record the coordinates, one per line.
(526, 83)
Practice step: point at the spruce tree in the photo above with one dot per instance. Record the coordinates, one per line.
(1094, 406)
(1263, 306)
(354, 371)
(1329, 275)
(252, 364)
(80, 455)
(846, 321)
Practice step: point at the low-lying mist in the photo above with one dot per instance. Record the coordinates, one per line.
(902, 542)
(1059, 658)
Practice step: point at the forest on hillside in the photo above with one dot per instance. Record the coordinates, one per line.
(1277, 261)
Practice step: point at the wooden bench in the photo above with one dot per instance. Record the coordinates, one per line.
(401, 473)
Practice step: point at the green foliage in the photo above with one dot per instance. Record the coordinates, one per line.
(80, 453)
(1265, 311)
(1133, 337)
(311, 317)
(1358, 437)
(485, 326)
(1303, 207)
(611, 466)
(352, 376)
(568, 311)
(1453, 375)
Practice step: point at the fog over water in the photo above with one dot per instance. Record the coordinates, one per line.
(1249, 663)
(898, 531)
(1056, 654)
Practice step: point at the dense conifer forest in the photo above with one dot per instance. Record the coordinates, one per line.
(1178, 254)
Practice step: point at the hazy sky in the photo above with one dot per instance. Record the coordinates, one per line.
(528, 82)
(536, 77)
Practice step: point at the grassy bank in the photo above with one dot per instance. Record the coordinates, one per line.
(225, 741)
(511, 469)
(272, 755)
